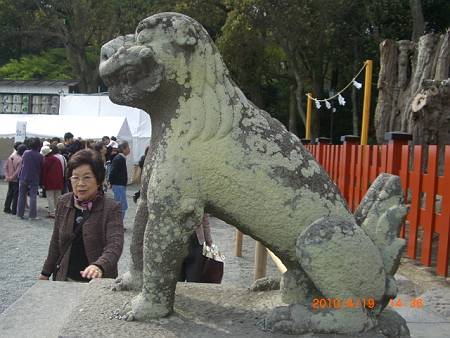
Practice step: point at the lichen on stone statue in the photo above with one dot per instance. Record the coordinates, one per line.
(214, 151)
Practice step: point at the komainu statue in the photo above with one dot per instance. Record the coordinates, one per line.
(214, 151)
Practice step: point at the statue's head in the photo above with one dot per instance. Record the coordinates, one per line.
(167, 49)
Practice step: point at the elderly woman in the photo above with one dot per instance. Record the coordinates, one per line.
(88, 235)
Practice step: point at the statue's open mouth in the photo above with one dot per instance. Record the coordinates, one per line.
(133, 67)
(127, 75)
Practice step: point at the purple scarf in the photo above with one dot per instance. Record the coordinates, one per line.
(85, 205)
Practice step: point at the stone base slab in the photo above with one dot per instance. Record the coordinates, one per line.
(58, 309)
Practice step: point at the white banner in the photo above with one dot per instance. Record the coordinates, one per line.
(21, 131)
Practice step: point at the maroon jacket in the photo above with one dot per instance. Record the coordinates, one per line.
(52, 177)
(102, 236)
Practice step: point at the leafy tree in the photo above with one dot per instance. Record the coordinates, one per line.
(49, 65)
(437, 15)
(16, 16)
(275, 49)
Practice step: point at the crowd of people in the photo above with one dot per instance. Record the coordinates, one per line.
(88, 233)
(37, 163)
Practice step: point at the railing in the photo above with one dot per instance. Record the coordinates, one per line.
(354, 167)
(427, 228)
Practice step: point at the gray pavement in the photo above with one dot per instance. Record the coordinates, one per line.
(24, 244)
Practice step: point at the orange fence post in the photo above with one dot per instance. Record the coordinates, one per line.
(322, 141)
(357, 193)
(443, 221)
(427, 215)
(396, 140)
(308, 117)
(414, 212)
(366, 106)
(345, 164)
(365, 169)
(404, 177)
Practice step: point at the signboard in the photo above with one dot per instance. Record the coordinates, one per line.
(21, 131)
(29, 104)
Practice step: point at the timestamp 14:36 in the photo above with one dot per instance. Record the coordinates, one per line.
(370, 303)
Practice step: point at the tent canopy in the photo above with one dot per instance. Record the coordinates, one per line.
(86, 127)
(101, 105)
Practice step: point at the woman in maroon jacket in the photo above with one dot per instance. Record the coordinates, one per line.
(52, 179)
(87, 238)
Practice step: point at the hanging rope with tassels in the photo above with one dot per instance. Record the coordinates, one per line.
(338, 95)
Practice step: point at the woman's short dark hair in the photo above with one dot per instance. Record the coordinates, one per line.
(99, 146)
(16, 145)
(91, 158)
(54, 148)
(21, 149)
(35, 143)
(68, 136)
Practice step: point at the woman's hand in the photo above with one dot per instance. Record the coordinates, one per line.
(42, 277)
(92, 271)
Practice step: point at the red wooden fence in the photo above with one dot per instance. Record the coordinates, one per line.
(427, 228)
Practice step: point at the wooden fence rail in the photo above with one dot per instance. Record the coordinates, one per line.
(427, 228)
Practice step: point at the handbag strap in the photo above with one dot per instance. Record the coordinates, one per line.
(74, 235)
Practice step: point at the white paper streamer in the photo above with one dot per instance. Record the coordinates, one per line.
(357, 84)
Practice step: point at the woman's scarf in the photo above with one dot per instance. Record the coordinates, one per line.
(85, 205)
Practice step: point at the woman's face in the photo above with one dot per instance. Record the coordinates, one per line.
(84, 183)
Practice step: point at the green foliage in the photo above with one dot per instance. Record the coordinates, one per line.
(50, 65)
(211, 14)
(437, 15)
(272, 47)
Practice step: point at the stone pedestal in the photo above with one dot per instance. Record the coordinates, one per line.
(57, 309)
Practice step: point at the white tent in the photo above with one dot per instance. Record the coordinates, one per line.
(46, 126)
(101, 105)
(86, 127)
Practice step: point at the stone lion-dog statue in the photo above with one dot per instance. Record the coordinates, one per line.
(214, 151)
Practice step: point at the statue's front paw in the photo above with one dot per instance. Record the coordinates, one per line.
(265, 284)
(125, 313)
(143, 309)
(128, 281)
(293, 319)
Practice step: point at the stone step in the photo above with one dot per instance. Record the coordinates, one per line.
(42, 311)
(55, 309)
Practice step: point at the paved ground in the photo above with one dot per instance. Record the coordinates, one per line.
(24, 245)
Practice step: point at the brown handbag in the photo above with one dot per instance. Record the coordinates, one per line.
(212, 265)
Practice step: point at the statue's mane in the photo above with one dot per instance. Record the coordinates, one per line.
(215, 103)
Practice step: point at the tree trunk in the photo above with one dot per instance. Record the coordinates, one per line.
(417, 18)
(87, 73)
(355, 114)
(414, 89)
(298, 92)
(292, 110)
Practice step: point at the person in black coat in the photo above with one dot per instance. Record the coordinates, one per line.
(137, 194)
(118, 176)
